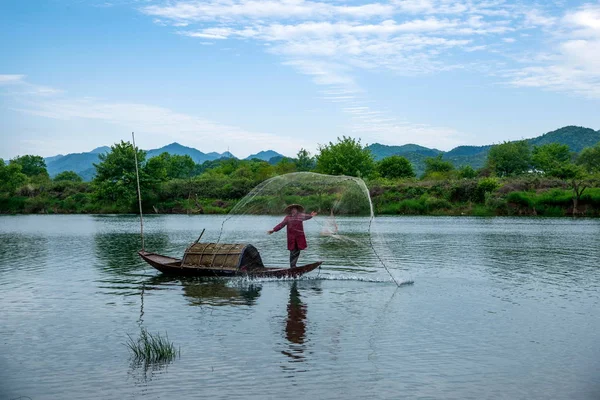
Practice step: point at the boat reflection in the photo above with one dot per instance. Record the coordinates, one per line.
(220, 292)
(295, 327)
(210, 292)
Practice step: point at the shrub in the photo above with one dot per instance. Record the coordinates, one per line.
(411, 206)
(464, 191)
(521, 199)
(434, 203)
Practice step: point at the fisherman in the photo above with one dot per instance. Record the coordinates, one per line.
(296, 240)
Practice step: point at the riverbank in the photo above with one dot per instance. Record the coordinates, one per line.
(531, 196)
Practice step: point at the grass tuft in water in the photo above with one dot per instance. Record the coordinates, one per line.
(152, 348)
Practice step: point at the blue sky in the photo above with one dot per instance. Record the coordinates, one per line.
(282, 75)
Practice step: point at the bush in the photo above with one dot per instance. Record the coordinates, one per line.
(487, 185)
(549, 211)
(395, 167)
(591, 197)
(434, 203)
(482, 211)
(467, 172)
(411, 206)
(522, 199)
(465, 191)
(555, 197)
(497, 204)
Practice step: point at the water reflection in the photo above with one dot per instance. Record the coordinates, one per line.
(23, 252)
(142, 373)
(117, 259)
(116, 253)
(141, 370)
(220, 293)
(295, 326)
(209, 292)
(539, 257)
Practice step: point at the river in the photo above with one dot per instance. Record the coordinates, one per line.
(499, 308)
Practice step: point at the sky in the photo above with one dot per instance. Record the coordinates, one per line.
(252, 75)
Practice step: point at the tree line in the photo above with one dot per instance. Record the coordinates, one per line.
(516, 180)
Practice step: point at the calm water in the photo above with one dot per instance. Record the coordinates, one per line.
(500, 308)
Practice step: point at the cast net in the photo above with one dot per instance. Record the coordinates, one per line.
(343, 234)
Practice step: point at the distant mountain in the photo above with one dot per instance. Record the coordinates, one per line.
(83, 163)
(276, 159)
(576, 137)
(78, 162)
(465, 151)
(380, 151)
(100, 150)
(264, 155)
(178, 149)
(54, 158)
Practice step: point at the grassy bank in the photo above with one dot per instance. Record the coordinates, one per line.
(527, 196)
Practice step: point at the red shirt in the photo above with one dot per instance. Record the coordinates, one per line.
(295, 230)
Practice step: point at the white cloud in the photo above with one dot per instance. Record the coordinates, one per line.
(575, 65)
(404, 36)
(11, 79)
(333, 41)
(201, 11)
(326, 73)
(153, 121)
(19, 86)
(535, 18)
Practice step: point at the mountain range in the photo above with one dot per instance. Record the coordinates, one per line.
(576, 137)
(83, 163)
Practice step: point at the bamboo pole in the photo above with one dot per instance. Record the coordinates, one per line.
(137, 175)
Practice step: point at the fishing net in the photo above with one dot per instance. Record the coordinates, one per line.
(343, 233)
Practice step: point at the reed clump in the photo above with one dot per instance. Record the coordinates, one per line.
(152, 348)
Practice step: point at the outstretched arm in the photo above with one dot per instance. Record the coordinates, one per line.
(279, 226)
(306, 217)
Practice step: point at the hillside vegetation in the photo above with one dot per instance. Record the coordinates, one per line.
(516, 178)
(576, 137)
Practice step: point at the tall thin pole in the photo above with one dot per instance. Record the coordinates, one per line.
(137, 175)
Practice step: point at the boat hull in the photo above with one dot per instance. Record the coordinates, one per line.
(172, 266)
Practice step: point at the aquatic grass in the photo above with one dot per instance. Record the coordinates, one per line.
(152, 348)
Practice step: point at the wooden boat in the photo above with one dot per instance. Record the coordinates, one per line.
(220, 259)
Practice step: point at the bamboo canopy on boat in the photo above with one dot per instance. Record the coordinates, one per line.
(223, 256)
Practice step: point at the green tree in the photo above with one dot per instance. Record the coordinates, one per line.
(346, 157)
(467, 172)
(589, 159)
(11, 177)
(166, 166)
(32, 166)
(437, 168)
(394, 167)
(509, 158)
(579, 179)
(156, 167)
(69, 176)
(285, 166)
(115, 180)
(180, 166)
(551, 158)
(304, 161)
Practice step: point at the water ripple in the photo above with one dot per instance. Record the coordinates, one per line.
(500, 306)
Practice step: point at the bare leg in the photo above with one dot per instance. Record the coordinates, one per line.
(294, 255)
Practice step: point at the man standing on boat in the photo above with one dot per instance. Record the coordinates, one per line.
(296, 240)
